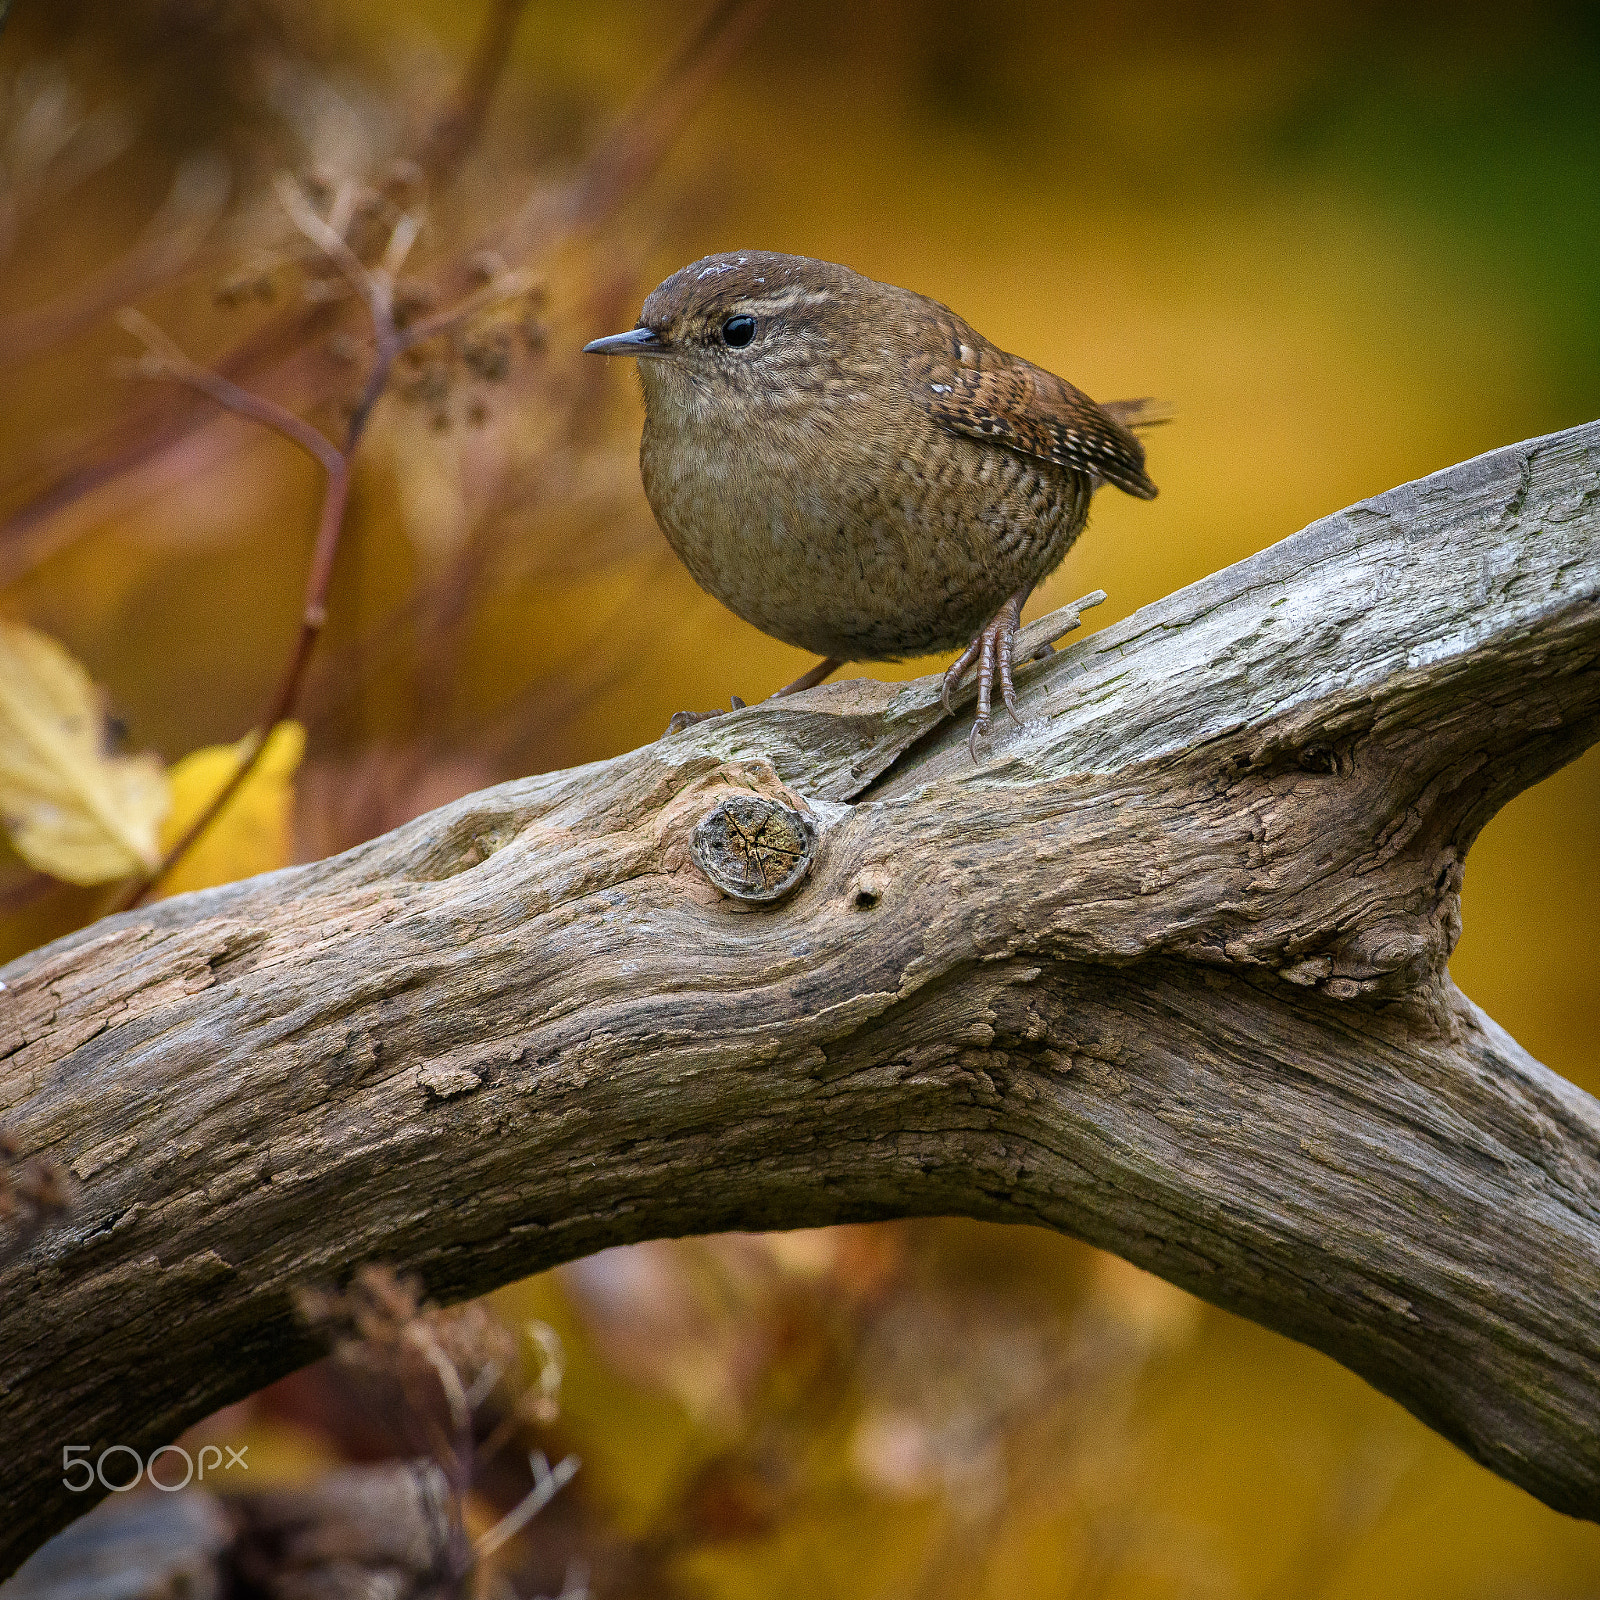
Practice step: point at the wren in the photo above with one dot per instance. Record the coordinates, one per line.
(853, 469)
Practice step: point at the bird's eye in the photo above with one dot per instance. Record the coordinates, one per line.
(738, 331)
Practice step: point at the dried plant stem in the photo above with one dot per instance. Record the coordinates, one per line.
(548, 1482)
(631, 152)
(613, 171)
(458, 125)
(165, 360)
(314, 615)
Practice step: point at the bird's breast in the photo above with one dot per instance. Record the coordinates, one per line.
(846, 528)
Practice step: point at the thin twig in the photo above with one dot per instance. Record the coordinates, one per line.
(330, 241)
(631, 152)
(375, 286)
(168, 245)
(612, 171)
(457, 127)
(313, 618)
(163, 359)
(166, 360)
(548, 1482)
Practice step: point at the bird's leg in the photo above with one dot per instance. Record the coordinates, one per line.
(810, 678)
(992, 649)
(807, 680)
(957, 671)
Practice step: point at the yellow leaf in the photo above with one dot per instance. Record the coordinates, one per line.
(253, 833)
(70, 807)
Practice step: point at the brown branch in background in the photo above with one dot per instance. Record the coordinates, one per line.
(376, 288)
(26, 538)
(163, 359)
(458, 125)
(636, 146)
(427, 1370)
(313, 618)
(612, 172)
(173, 238)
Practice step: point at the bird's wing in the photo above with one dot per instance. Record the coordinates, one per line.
(978, 390)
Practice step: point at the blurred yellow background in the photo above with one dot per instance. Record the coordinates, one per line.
(1352, 245)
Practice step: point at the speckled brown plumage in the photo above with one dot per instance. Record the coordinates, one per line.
(867, 476)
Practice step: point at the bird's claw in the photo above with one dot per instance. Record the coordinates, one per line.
(992, 650)
(687, 719)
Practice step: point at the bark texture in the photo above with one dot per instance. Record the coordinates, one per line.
(1167, 971)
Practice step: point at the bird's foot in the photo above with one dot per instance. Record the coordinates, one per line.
(687, 719)
(992, 650)
(808, 679)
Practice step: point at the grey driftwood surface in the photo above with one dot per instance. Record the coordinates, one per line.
(1167, 971)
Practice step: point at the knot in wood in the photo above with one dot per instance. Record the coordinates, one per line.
(754, 849)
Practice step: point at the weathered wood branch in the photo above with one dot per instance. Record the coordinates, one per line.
(1167, 972)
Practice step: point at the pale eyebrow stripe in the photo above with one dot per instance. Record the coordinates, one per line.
(785, 301)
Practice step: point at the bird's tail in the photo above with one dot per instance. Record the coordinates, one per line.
(1139, 414)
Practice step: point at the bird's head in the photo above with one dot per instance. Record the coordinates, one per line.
(748, 326)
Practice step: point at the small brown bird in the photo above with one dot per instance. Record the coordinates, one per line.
(854, 470)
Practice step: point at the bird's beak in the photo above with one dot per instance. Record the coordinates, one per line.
(635, 342)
